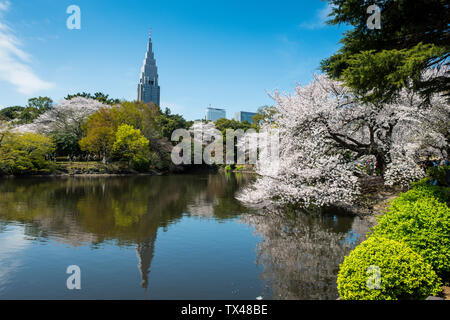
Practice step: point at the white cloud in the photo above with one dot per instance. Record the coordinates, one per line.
(14, 62)
(320, 19)
(4, 5)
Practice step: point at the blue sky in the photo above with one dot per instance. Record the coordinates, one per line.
(224, 53)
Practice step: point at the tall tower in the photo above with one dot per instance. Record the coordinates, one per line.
(148, 88)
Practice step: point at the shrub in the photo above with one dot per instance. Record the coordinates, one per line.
(403, 273)
(440, 174)
(423, 190)
(423, 223)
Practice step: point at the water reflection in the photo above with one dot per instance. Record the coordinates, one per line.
(129, 210)
(297, 257)
(301, 252)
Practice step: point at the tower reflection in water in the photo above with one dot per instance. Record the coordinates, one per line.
(297, 257)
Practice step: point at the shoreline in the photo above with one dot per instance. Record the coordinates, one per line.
(81, 175)
(107, 171)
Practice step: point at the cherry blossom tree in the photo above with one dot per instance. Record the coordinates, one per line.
(203, 132)
(300, 253)
(325, 132)
(207, 142)
(66, 116)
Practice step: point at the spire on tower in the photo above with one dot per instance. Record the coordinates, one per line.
(148, 88)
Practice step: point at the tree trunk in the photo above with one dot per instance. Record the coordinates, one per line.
(381, 163)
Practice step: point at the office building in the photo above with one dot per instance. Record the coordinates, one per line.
(213, 114)
(148, 88)
(244, 116)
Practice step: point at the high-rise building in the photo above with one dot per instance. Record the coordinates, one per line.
(148, 88)
(243, 116)
(213, 114)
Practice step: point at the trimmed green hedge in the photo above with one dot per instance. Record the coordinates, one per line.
(410, 246)
(403, 273)
(439, 173)
(423, 190)
(423, 222)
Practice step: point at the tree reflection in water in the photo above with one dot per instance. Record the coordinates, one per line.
(126, 210)
(301, 253)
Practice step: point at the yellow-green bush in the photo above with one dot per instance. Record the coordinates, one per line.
(423, 190)
(423, 222)
(25, 153)
(132, 146)
(404, 274)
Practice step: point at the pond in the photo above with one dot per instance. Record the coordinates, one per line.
(163, 237)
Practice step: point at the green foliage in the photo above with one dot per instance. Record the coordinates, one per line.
(28, 115)
(41, 104)
(98, 134)
(161, 161)
(140, 115)
(228, 168)
(223, 124)
(99, 96)
(130, 145)
(386, 72)
(403, 273)
(25, 154)
(423, 222)
(100, 131)
(413, 37)
(11, 113)
(34, 108)
(440, 174)
(168, 123)
(264, 114)
(102, 127)
(65, 143)
(22, 115)
(423, 189)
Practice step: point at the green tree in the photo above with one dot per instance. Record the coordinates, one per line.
(223, 124)
(25, 153)
(142, 116)
(414, 36)
(42, 104)
(264, 114)
(5, 131)
(11, 113)
(100, 131)
(28, 115)
(34, 108)
(99, 96)
(169, 122)
(131, 146)
(66, 143)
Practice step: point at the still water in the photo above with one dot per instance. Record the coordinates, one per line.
(163, 237)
